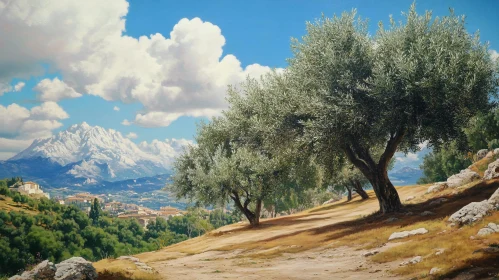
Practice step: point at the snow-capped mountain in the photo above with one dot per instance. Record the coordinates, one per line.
(94, 153)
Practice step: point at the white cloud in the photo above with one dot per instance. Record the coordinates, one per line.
(168, 149)
(20, 126)
(183, 74)
(409, 157)
(4, 87)
(126, 122)
(48, 111)
(55, 90)
(155, 119)
(423, 145)
(494, 55)
(116, 108)
(19, 86)
(132, 135)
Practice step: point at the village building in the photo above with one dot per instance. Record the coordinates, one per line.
(30, 189)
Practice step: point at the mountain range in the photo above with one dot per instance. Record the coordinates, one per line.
(405, 176)
(85, 155)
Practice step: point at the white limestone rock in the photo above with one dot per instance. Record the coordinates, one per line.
(404, 234)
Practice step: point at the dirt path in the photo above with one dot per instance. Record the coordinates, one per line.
(282, 248)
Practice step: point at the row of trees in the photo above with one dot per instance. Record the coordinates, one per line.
(59, 232)
(347, 101)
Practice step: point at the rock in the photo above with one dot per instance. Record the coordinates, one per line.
(439, 252)
(481, 154)
(427, 213)
(144, 267)
(370, 253)
(404, 234)
(494, 199)
(471, 213)
(75, 268)
(462, 178)
(332, 200)
(438, 187)
(409, 214)
(391, 220)
(128, 258)
(43, 271)
(410, 198)
(485, 231)
(492, 171)
(434, 270)
(496, 151)
(414, 260)
(489, 250)
(493, 226)
(438, 201)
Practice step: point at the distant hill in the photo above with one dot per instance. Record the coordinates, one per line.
(405, 176)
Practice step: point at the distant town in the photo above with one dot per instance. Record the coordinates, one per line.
(116, 205)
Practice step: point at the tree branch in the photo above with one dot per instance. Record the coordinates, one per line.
(391, 147)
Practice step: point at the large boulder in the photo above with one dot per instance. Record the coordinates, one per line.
(43, 271)
(462, 178)
(404, 234)
(438, 187)
(75, 268)
(470, 213)
(494, 199)
(481, 154)
(492, 171)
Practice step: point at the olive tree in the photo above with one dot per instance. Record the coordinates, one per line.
(223, 168)
(418, 80)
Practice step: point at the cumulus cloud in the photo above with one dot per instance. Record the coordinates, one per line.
(8, 88)
(183, 74)
(409, 157)
(126, 122)
(132, 135)
(167, 149)
(116, 108)
(55, 90)
(19, 86)
(48, 111)
(494, 55)
(20, 126)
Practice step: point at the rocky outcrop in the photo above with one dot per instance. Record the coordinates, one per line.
(434, 270)
(414, 260)
(75, 268)
(43, 271)
(494, 199)
(472, 212)
(492, 171)
(489, 229)
(404, 234)
(464, 177)
(332, 200)
(481, 154)
(141, 266)
(438, 187)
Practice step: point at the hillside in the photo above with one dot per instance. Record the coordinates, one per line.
(329, 242)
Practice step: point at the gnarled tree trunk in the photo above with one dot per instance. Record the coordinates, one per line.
(377, 172)
(358, 189)
(253, 217)
(349, 193)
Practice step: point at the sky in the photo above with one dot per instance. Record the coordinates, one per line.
(152, 69)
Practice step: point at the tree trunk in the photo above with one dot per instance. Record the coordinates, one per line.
(349, 197)
(358, 189)
(253, 218)
(388, 198)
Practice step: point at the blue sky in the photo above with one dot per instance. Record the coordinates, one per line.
(254, 32)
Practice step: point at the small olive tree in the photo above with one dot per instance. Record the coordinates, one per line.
(224, 168)
(416, 81)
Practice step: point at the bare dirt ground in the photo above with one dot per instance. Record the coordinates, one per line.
(281, 248)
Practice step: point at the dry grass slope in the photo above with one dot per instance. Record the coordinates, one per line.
(6, 204)
(328, 241)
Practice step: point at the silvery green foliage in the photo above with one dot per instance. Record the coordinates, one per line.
(423, 78)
